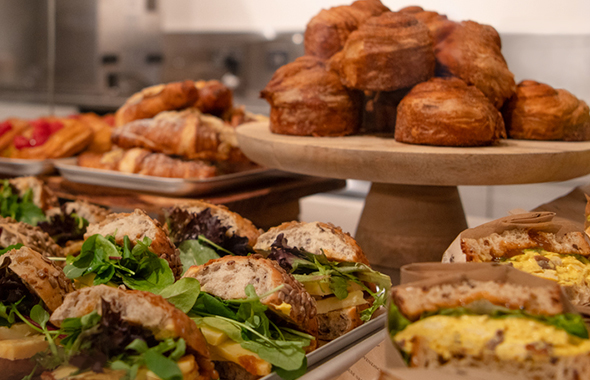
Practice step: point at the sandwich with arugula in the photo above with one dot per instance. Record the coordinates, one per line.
(25, 199)
(255, 316)
(13, 232)
(204, 231)
(110, 334)
(477, 321)
(31, 287)
(332, 268)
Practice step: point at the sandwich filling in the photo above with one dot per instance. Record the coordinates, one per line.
(482, 330)
(64, 226)
(21, 208)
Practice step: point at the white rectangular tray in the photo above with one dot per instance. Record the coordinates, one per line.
(25, 167)
(159, 185)
(328, 353)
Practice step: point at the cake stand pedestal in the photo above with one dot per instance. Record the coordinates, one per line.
(413, 210)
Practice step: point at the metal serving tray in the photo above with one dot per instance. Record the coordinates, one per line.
(329, 352)
(26, 167)
(159, 185)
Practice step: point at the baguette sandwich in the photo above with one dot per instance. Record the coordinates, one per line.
(333, 269)
(538, 243)
(518, 328)
(29, 284)
(204, 231)
(13, 233)
(255, 316)
(111, 334)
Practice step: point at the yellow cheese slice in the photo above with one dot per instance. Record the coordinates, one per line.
(17, 331)
(233, 352)
(329, 304)
(24, 348)
(213, 336)
(284, 308)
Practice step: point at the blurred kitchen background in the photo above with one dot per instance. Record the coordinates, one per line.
(105, 50)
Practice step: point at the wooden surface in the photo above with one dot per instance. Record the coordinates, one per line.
(265, 205)
(384, 160)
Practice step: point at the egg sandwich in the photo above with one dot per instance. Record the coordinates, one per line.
(479, 320)
(537, 243)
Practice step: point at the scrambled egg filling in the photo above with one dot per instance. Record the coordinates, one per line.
(565, 270)
(476, 335)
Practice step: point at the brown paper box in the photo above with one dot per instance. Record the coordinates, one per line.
(430, 274)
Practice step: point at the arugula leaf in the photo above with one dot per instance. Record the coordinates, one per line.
(183, 293)
(64, 226)
(294, 374)
(6, 315)
(194, 252)
(138, 268)
(39, 315)
(339, 286)
(21, 209)
(162, 366)
(10, 248)
(396, 321)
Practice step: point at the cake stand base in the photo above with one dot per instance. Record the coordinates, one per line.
(403, 224)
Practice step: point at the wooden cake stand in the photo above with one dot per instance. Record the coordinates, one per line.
(413, 210)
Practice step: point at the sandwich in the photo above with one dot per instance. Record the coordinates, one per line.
(25, 199)
(204, 231)
(110, 334)
(255, 316)
(333, 269)
(490, 322)
(30, 286)
(129, 249)
(13, 232)
(536, 242)
(138, 226)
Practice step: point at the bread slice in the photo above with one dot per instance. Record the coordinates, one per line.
(13, 232)
(498, 245)
(39, 274)
(413, 301)
(228, 277)
(136, 226)
(336, 323)
(236, 224)
(43, 197)
(316, 237)
(92, 213)
(145, 309)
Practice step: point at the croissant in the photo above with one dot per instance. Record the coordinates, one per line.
(51, 138)
(187, 133)
(439, 25)
(214, 97)
(472, 52)
(9, 129)
(101, 141)
(327, 32)
(386, 53)
(152, 100)
(539, 112)
(308, 100)
(448, 112)
(142, 161)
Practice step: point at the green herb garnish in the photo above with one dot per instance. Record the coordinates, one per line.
(21, 209)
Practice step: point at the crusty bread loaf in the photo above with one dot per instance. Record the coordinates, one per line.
(413, 301)
(145, 309)
(13, 232)
(498, 245)
(316, 237)
(92, 213)
(43, 197)
(336, 323)
(228, 276)
(39, 274)
(232, 371)
(138, 225)
(236, 224)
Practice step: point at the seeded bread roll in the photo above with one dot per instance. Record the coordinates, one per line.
(413, 301)
(236, 224)
(316, 237)
(13, 232)
(228, 276)
(43, 197)
(145, 309)
(138, 225)
(338, 322)
(39, 274)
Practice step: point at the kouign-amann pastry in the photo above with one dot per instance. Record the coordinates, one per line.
(539, 112)
(448, 112)
(386, 53)
(326, 33)
(473, 53)
(439, 25)
(308, 100)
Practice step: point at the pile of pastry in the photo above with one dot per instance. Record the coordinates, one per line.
(416, 74)
(87, 293)
(179, 130)
(55, 137)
